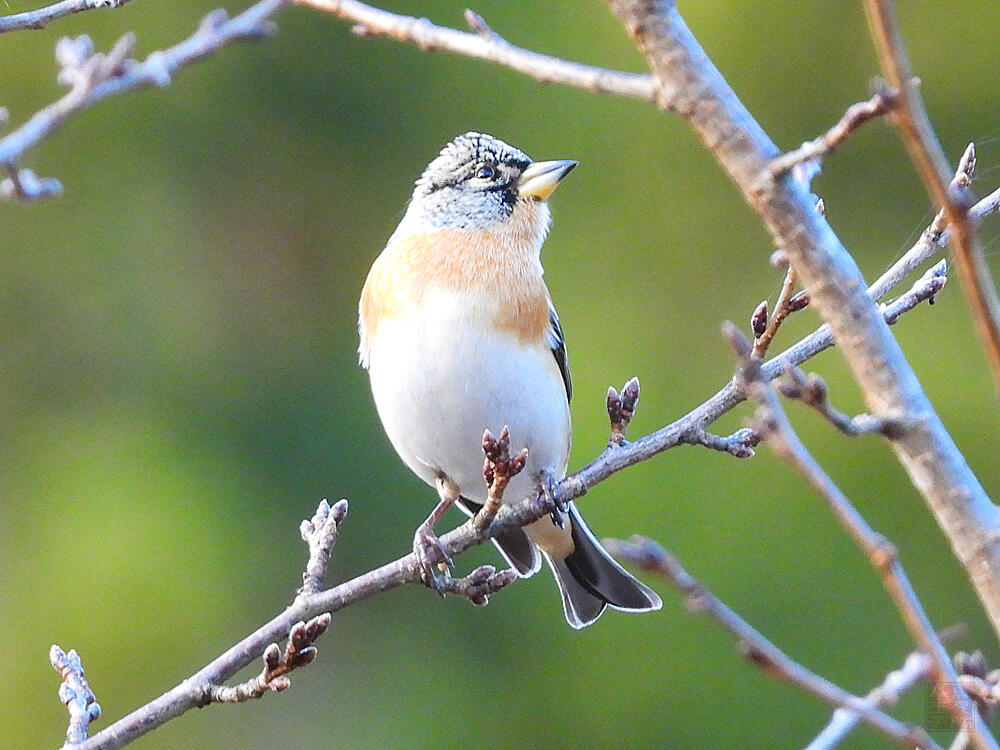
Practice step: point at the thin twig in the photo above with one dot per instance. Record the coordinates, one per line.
(812, 391)
(910, 117)
(485, 44)
(39, 18)
(782, 309)
(320, 533)
(95, 76)
(298, 653)
(650, 556)
(935, 237)
(478, 585)
(775, 429)
(499, 467)
(740, 444)
(621, 408)
(913, 671)
(855, 116)
(75, 693)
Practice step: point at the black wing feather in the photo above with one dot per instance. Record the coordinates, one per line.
(559, 351)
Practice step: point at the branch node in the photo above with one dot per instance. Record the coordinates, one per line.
(320, 533)
(478, 24)
(621, 408)
(812, 391)
(811, 152)
(75, 693)
(758, 320)
(299, 652)
(499, 468)
(478, 585)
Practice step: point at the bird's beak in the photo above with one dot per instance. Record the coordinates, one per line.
(541, 179)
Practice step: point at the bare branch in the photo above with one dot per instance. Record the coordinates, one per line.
(782, 309)
(40, 18)
(855, 116)
(298, 653)
(740, 444)
(92, 77)
(478, 585)
(812, 391)
(320, 533)
(485, 44)
(690, 84)
(777, 432)
(686, 429)
(75, 693)
(914, 670)
(499, 467)
(648, 555)
(910, 117)
(936, 235)
(980, 682)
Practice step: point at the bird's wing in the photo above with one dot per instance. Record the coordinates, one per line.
(557, 342)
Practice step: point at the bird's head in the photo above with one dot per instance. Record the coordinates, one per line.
(480, 182)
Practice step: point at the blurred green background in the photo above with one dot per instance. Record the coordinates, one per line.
(179, 385)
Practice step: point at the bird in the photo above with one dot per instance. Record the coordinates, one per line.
(459, 335)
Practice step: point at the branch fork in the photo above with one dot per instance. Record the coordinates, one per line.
(299, 652)
(812, 391)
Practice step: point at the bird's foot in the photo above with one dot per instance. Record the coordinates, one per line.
(547, 486)
(431, 557)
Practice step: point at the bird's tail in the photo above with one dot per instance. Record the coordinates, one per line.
(589, 579)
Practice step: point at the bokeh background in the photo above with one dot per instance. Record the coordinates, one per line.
(179, 385)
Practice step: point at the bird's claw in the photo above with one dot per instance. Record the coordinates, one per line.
(430, 555)
(547, 489)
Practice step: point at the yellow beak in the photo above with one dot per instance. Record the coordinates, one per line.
(541, 179)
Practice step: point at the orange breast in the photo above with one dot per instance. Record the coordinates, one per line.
(499, 270)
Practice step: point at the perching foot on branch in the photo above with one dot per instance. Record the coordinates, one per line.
(298, 653)
(75, 693)
(498, 469)
(426, 546)
(621, 409)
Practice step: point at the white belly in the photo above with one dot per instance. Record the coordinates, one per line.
(439, 382)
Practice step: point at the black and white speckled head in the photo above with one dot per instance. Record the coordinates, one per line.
(478, 180)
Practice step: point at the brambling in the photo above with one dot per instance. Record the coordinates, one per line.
(459, 334)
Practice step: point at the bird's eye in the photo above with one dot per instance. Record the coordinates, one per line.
(486, 173)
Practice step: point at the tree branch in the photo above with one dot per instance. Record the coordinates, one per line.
(775, 429)
(485, 44)
(190, 692)
(92, 77)
(855, 116)
(39, 19)
(648, 555)
(914, 670)
(299, 652)
(910, 117)
(690, 84)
